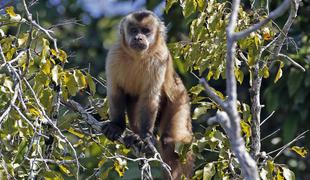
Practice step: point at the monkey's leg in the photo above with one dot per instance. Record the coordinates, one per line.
(114, 129)
(148, 108)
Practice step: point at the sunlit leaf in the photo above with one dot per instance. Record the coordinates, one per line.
(91, 84)
(23, 39)
(288, 174)
(75, 132)
(80, 79)
(51, 175)
(208, 171)
(201, 5)
(70, 83)
(279, 73)
(55, 74)
(64, 169)
(264, 72)
(189, 7)
(279, 175)
(246, 129)
(62, 56)
(302, 151)
(239, 75)
(10, 11)
(169, 4)
(120, 166)
(46, 67)
(266, 33)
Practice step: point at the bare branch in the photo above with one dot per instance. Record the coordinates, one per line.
(34, 23)
(272, 15)
(293, 62)
(271, 134)
(281, 149)
(286, 28)
(214, 97)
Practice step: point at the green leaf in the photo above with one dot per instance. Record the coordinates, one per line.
(70, 83)
(189, 7)
(199, 111)
(251, 57)
(196, 90)
(91, 84)
(169, 4)
(302, 151)
(279, 73)
(45, 49)
(201, 5)
(264, 72)
(51, 175)
(8, 84)
(208, 171)
(239, 75)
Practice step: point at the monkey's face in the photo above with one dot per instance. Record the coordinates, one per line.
(139, 30)
(139, 37)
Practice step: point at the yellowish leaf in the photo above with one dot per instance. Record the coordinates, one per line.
(279, 73)
(120, 166)
(62, 56)
(75, 132)
(64, 169)
(266, 34)
(46, 67)
(302, 151)
(10, 11)
(91, 84)
(246, 128)
(22, 39)
(80, 79)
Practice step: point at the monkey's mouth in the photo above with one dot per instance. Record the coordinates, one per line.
(138, 46)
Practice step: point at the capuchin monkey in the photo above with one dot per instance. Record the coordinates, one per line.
(142, 82)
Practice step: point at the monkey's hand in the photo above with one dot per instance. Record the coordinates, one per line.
(112, 130)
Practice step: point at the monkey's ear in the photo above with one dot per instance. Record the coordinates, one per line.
(121, 26)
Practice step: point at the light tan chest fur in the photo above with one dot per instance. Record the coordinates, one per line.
(136, 76)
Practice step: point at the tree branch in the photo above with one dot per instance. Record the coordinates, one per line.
(147, 144)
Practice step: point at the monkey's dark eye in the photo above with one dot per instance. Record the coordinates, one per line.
(145, 30)
(133, 30)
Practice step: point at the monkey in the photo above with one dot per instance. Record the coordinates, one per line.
(142, 82)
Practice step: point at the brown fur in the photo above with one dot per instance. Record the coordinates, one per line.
(145, 84)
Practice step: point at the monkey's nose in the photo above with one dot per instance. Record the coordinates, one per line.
(138, 38)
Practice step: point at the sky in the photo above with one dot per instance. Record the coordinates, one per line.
(98, 8)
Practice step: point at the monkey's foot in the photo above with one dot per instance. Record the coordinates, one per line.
(112, 130)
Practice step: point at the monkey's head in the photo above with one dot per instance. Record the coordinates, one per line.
(140, 30)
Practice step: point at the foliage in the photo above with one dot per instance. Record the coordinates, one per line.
(35, 76)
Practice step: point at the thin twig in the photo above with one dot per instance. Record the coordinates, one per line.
(293, 62)
(269, 135)
(267, 118)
